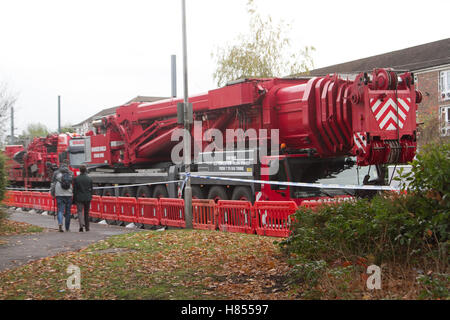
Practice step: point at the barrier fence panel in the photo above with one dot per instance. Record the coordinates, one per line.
(73, 210)
(148, 211)
(32, 199)
(110, 211)
(204, 214)
(172, 212)
(235, 216)
(311, 204)
(127, 207)
(27, 201)
(40, 201)
(36, 200)
(314, 204)
(44, 203)
(273, 217)
(18, 199)
(95, 210)
(53, 204)
(47, 201)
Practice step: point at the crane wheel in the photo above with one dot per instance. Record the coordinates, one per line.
(217, 193)
(160, 192)
(128, 192)
(144, 192)
(242, 193)
(97, 192)
(109, 192)
(197, 193)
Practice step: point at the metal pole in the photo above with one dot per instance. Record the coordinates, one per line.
(187, 135)
(59, 114)
(174, 75)
(12, 125)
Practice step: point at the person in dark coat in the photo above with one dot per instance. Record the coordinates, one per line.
(82, 196)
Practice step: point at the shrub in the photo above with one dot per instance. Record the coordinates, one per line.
(387, 227)
(412, 227)
(430, 172)
(434, 286)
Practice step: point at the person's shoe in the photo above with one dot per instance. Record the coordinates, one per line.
(60, 228)
(81, 230)
(87, 229)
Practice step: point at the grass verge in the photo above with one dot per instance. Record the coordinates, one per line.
(174, 264)
(9, 227)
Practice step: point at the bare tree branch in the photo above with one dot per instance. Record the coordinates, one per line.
(7, 100)
(264, 52)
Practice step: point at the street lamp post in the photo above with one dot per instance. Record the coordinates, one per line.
(187, 136)
(59, 114)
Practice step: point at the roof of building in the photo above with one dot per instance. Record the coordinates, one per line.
(416, 58)
(145, 99)
(109, 111)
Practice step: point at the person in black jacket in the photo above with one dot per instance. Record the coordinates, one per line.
(82, 196)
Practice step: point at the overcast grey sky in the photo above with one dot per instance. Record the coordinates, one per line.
(98, 54)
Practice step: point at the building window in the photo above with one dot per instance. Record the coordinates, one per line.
(444, 85)
(444, 117)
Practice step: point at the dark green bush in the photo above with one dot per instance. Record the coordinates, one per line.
(387, 227)
(412, 227)
(431, 171)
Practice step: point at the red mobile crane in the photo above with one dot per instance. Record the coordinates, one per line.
(328, 127)
(33, 166)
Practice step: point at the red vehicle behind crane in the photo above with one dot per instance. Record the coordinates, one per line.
(33, 166)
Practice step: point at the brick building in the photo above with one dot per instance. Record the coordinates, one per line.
(430, 64)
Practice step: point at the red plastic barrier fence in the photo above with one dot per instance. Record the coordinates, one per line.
(18, 199)
(40, 199)
(149, 212)
(73, 210)
(95, 210)
(235, 216)
(110, 211)
(172, 212)
(313, 204)
(27, 199)
(270, 218)
(48, 202)
(204, 214)
(127, 208)
(273, 217)
(37, 200)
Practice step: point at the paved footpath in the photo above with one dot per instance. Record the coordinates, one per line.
(22, 249)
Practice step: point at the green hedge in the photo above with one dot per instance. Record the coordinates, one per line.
(410, 227)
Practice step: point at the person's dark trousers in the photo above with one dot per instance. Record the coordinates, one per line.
(83, 214)
(64, 204)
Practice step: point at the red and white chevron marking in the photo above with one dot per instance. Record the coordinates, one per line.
(360, 141)
(385, 112)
